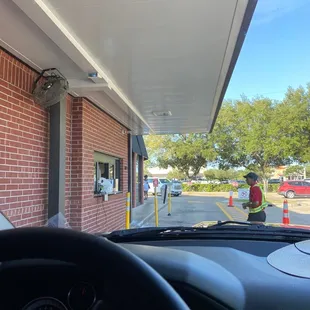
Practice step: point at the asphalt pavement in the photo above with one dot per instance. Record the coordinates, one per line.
(189, 210)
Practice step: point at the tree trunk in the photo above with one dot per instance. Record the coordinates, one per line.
(265, 181)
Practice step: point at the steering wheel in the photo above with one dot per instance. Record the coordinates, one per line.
(120, 270)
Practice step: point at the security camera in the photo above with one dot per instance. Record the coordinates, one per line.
(124, 131)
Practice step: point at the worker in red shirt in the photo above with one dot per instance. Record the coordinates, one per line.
(257, 203)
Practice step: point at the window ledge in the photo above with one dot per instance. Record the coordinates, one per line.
(112, 194)
(115, 193)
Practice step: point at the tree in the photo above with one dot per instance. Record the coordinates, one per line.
(294, 170)
(187, 153)
(210, 174)
(221, 175)
(294, 121)
(155, 146)
(146, 170)
(256, 135)
(241, 173)
(176, 174)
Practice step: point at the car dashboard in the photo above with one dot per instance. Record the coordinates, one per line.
(225, 274)
(28, 284)
(212, 274)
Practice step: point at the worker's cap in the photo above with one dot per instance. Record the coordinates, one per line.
(251, 175)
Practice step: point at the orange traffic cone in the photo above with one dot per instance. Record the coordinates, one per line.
(286, 219)
(230, 201)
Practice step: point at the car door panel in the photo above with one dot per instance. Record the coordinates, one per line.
(306, 186)
(298, 188)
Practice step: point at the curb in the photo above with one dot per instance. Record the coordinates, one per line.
(149, 216)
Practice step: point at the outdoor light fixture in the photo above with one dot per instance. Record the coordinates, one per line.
(162, 113)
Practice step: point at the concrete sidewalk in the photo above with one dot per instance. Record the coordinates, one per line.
(144, 212)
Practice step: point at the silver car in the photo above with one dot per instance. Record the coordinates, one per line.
(176, 188)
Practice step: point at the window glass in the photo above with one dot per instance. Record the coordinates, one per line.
(107, 174)
(163, 181)
(295, 183)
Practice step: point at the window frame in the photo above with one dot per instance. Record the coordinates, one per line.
(295, 183)
(106, 162)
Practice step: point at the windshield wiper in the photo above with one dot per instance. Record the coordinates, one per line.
(236, 223)
(152, 230)
(172, 229)
(232, 229)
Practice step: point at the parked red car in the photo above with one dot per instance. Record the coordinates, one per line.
(290, 189)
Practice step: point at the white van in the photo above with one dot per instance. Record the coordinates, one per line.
(161, 182)
(176, 188)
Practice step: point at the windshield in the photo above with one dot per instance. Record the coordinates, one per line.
(143, 124)
(164, 181)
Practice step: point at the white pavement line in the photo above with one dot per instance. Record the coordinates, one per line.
(150, 215)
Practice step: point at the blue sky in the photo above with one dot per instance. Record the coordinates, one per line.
(276, 51)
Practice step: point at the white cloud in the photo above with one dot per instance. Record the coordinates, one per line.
(269, 10)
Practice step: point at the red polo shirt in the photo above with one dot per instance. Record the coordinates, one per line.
(256, 195)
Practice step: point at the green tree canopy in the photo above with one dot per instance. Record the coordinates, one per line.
(294, 170)
(187, 153)
(210, 174)
(176, 174)
(259, 135)
(221, 175)
(155, 146)
(293, 122)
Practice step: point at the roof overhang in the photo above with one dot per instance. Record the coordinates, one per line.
(163, 65)
(138, 146)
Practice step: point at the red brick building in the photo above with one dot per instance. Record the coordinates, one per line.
(24, 157)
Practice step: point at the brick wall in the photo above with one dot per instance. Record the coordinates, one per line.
(76, 164)
(23, 146)
(93, 130)
(68, 157)
(24, 155)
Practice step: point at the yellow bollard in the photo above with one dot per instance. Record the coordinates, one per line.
(156, 206)
(169, 204)
(128, 211)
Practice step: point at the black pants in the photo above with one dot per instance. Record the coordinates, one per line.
(257, 217)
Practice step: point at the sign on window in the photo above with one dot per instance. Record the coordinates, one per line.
(243, 193)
